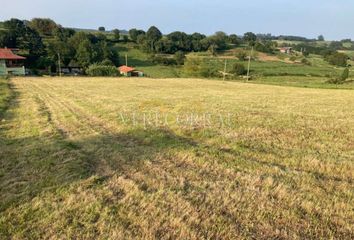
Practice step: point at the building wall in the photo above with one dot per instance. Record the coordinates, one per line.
(2, 68)
(14, 71)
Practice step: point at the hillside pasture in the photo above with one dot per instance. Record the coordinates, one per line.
(76, 165)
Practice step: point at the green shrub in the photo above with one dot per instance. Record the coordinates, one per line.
(101, 70)
(241, 55)
(306, 62)
(238, 69)
(345, 74)
(5, 94)
(179, 57)
(292, 58)
(341, 79)
(197, 67)
(107, 62)
(337, 59)
(161, 60)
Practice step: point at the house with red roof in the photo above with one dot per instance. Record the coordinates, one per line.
(10, 63)
(130, 71)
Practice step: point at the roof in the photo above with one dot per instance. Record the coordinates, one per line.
(6, 53)
(126, 69)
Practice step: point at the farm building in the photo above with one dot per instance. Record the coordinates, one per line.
(130, 72)
(10, 63)
(287, 50)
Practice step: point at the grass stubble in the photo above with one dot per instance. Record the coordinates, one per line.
(69, 168)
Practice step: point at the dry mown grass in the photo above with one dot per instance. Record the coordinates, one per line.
(71, 169)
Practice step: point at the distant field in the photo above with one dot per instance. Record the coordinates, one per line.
(78, 160)
(140, 60)
(299, 81)
(263, 68)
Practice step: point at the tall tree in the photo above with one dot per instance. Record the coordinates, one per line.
(250, 38)
(152, 36)
(321, 38)
(116, 35)
(135, 33)
(44, 26)
(20, 35)
(85, 53)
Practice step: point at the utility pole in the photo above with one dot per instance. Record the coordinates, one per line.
(59, 64)
(126, 60)
(249, 65)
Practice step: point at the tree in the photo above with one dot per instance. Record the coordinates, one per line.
(196, 39)
(220, 40)
(85, 53)
(101, 37)
(44, 26)
(265, 46)
(135, 33)
(337, 59)
(180, 40)
(78, 38)
(152, 36)
(60, 47)
(102, 29)
(320, 38)
(116, 35)
(125, 38)
(105, 52)
(19, 35)
(63, 34)
(233, 39)
(250, 38)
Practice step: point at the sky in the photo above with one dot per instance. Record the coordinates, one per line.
(332, 18)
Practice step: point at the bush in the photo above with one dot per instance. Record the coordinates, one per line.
(337, 59)
(341, 79)
(179, 57)
(345, 74)
(241, 55)
(292, 58)
(265, 47)
(196, 67)
(107, 62)
(163, 60)
(101, 70)
(238, 69)
(305, 62)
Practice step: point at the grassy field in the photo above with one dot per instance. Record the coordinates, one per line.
(304, 82)
(78, 160)
(141, 61)
(5, 95)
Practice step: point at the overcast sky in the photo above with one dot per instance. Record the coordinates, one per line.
(332, 18)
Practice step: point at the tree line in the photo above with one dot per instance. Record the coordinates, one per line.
(46, 43)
